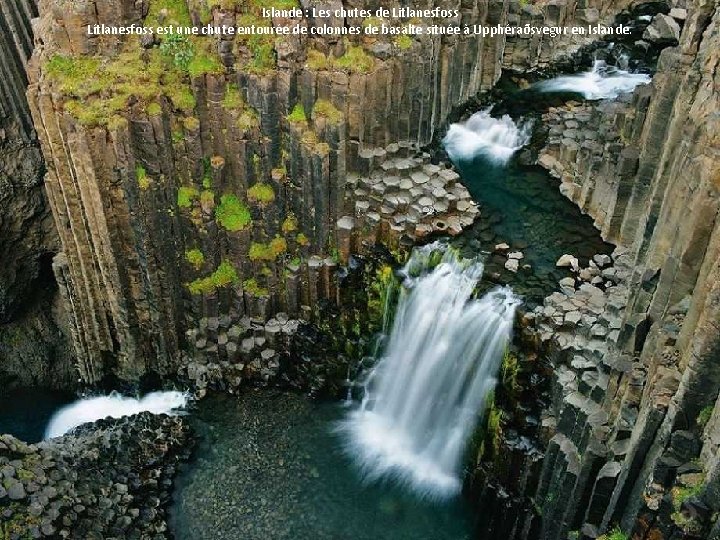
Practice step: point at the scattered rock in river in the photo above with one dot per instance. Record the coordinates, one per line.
(568, 261)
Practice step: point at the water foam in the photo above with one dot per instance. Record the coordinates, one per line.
(423, 398)
(114, 405)
(497, 139)
(601, 82)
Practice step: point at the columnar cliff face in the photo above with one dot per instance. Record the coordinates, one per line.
(635, 416)
(28, 332)
(187, 198)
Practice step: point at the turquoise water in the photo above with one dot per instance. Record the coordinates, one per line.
(270, 466)
(25, 412)
(527, 210)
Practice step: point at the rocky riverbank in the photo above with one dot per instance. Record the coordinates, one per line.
(109, 479)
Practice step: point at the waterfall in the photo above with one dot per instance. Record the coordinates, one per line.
(114, 405)
(497, 139)
(423, 398)
(601, 82)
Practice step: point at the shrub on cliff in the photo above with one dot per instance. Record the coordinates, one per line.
(222, 277)
(268, 252)
(232, 214)
(355, 60)
(327, 110)
(261, 193)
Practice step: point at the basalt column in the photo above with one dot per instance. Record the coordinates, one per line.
(32, 349)
(194, 196)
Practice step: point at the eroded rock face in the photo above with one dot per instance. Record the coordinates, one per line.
(108, 479)
(26, 230)
(634, 418)
(33, 348)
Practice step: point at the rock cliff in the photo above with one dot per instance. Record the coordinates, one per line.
(29, 311)
(633, 424)
(206, 206)
(217, 188)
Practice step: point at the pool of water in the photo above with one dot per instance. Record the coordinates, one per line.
(25, 412)
(526, 209)
(270, 465)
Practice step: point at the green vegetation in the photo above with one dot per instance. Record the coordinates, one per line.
(232, 214)
(143, 180)
(268, 252)
(232, 98)
(224, 275)
(302, 239)
(177, 13)
(191, 123)
(205, 61)
(178, 49)
(704, 416)
(251, 286)
(403, 42)
(680, 494)
(19, 524)
(186, 196)
(375, 22)
(317, 61)
(327, 110)
(260, 46)
(381, 289)
(290, 224)
(233, 101)
(509, 372)
(76, 76)
(207, 198)
(615, 534)
(297, 116)
(355, 60)
(248, 120)
(98, 90)
(183, 99)
(195, 257)
(261, 193)
(154, 109)
(494, 427)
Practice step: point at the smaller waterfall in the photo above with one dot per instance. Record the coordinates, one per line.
(423, 398)
(114, 405)
(497, 139)
(601, 82)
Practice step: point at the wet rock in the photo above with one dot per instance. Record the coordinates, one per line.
(602, 260)
(15, 490)
(568, 261)
(662, 30)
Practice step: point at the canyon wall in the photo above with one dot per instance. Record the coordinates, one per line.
(633, 430)
(29, 307)
(225, 190)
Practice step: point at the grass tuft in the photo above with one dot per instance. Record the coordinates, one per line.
(232, 214)
(261, 193)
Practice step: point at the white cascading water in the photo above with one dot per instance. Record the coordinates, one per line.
(114, 405)
(497, 139)
(601, 82)
(425, 395)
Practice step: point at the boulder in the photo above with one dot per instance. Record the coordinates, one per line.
(568, 261)
(662, 30)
